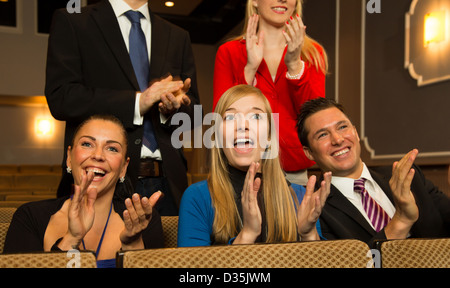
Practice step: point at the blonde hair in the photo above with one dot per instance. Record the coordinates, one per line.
(279, 199)
(310, 52)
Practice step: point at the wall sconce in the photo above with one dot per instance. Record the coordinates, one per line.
(44, 127)
(434, 28)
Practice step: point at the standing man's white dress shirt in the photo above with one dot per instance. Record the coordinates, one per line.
(120, 7)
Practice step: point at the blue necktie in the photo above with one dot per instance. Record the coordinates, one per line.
(139, 59)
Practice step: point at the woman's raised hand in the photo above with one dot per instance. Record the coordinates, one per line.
(255, 48)
(81, 212)
(136, 218)
(294, 33)
(252, 219)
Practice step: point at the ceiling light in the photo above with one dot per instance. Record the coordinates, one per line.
(169, 4)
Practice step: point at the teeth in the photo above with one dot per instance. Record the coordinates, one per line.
(243, 141)
(342, 152)
(96, 171)
(279, 9)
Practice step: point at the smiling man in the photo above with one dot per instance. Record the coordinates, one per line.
(368, 204)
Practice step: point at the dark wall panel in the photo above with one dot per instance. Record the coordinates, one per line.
(319, 16)
(398, 114)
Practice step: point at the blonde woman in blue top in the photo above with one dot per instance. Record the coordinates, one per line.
(246, 198)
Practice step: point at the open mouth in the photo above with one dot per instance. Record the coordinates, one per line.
(98, 173)
(341, 152)
(280, 10)
(243, 143)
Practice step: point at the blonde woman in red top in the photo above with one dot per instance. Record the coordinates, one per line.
(275, 55)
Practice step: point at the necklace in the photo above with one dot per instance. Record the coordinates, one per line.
(103, 234)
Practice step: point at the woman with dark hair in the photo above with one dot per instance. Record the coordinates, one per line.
(96, 216)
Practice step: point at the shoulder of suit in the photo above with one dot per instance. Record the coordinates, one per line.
(163, 22)
(84, 12)
(381, 169)
(386, 171)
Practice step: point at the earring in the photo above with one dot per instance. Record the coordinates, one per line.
(69, 170)
(122, 179)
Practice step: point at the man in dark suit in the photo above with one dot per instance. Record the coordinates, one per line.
(90, 71)
(403, 203)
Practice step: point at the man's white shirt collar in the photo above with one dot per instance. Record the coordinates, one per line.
(346, 187)
(120, 7)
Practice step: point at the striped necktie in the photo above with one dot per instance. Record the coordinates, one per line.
(376, 214)
(141, 66)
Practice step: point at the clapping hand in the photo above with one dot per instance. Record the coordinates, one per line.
(81, 211)
(311, 207)
(255, 48)
(156, 90)
(172, 101)
(295, 36)
(252, 219)
(406, 211)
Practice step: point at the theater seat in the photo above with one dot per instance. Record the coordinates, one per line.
(170, 230)
(415, 253)
(85, 259)
(317, 254)
(6, 214)
(3, 230)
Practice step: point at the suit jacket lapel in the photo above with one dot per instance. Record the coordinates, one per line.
(106, 20)
(160, 35)
(383, 182)
(339, 201)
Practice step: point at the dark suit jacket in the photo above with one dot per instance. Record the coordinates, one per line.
(89, 71)
(341, 220)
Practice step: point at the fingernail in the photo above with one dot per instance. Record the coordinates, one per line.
(291, 18)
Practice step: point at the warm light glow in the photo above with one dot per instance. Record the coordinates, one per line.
(169, 4)
(44, 126)
(434, 27)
